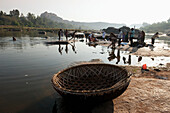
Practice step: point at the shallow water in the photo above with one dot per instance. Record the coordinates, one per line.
(28, 64)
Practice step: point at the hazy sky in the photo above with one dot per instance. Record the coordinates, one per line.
(113, 11)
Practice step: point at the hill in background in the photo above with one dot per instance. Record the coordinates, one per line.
(80, 25)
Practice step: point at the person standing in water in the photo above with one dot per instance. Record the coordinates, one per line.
(14, 39)
(66, 35)
(73, 35)
(59, 34)
(153, 37)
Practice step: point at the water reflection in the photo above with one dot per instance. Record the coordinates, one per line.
(129, 60)
(60, 49)
(66, 48)
(111, 55)
(118, 56)
(64, 106)
(73, 47)
(124, 60)
(151, 47)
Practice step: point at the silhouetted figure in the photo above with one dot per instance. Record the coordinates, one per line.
(129, 60)
(14, 39)
(132, 33)
(126, 36)
(139, 59)
(120, 36)
(112, 55)
(153, 37)
(124, 60)
(113, 39)
(143, 37)
(66, 49)
(59, 34)
(73, 35)
(60, 49)
(66, 34)
(118, 56)
(152, 59)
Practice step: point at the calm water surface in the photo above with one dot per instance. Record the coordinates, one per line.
(28, 64)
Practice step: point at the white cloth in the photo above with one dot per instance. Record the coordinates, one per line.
(120, 35)
(103, 34)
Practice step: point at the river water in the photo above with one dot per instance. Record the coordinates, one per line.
(28, 64)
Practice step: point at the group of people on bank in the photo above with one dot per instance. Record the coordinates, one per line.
(126, 37)
(130, 36)
(123, 36)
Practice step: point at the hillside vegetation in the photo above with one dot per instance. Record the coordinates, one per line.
(158, 27)
(14, 18)
(81, 25)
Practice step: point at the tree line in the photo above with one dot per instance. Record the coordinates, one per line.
(16, 18)
(158, 27)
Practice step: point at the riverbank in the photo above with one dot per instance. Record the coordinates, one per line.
(144, 95)
(150, 51)
(147, 92)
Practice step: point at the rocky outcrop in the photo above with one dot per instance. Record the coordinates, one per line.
(116, 30)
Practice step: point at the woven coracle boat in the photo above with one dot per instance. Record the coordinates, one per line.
(91, 82)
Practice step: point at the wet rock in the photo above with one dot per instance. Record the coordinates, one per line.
(160, 77)
(168, 65)
(157, 70)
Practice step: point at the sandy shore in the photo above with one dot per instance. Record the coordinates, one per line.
(144, 95)
(147, 93)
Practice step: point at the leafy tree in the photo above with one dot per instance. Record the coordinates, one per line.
(1, 13)
(14, 13)
(30, 20)
(168, 20)
(157, 27)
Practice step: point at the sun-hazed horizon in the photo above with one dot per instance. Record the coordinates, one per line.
(123, 11)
